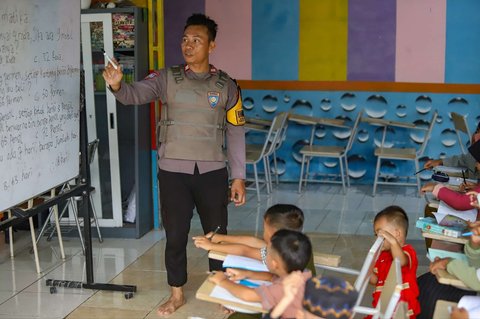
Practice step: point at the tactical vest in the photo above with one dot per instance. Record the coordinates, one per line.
(193, 123)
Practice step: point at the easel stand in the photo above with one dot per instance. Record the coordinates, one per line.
(84, 207)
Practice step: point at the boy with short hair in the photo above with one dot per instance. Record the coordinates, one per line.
(287, 251)
(392, 224)
(279, 216)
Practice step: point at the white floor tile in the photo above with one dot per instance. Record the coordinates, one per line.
(326, 211)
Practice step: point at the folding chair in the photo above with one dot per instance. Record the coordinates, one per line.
(280, 139)
(339, 152)
(404, 154)
(363, 276)
(388, 305)
(256, 153)
(460, 125)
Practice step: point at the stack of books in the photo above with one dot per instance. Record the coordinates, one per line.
(430, 225)
(123, 30)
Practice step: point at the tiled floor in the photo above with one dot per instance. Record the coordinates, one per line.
(338, 224)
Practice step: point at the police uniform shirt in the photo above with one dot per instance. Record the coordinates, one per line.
(154, 87)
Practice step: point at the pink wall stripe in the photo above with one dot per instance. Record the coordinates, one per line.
(234, 39)
(420, 48)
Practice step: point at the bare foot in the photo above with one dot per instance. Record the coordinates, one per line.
(175, 301)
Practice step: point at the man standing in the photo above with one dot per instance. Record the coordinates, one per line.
(200, 106)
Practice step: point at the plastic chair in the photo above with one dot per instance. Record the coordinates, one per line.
(460, 125)
(405, 154)
(256, 153)
(339, 152)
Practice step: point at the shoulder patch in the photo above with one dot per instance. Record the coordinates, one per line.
(235, 114)
(152, 75)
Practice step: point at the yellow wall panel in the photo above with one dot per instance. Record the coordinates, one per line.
(323, 40)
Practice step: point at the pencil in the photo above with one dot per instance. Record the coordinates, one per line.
(420, 171)
(215, 232)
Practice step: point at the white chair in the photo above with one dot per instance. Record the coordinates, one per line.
(256, 153)
(363, 275)
(460, 125)
(388, 305)
(282, 136)
(339, 152)
(404, 154)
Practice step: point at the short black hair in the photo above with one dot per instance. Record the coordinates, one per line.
(293, 247)
(396, 215)
(201, 19)
(284, 216)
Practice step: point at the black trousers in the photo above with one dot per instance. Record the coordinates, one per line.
(431, 291)
(179, 195)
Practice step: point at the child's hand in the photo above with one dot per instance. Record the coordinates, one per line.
(466, 186)
(459, 313)
(473, 199)
(202, 242)
(475, 238)
(427, 188)
(432, 163)
(388, 237)
(213, 237)
(291, 284)
(218, 277)
(439, 263)
(236, 274)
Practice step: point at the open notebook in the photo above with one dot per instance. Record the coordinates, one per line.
(447, 216)
(234, 261)
(208, 291)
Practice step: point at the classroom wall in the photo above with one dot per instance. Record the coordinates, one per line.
(428, 41)
(361, 40)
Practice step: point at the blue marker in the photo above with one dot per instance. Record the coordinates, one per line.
(467, 234)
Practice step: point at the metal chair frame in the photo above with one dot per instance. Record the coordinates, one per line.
(256, 153)
(460, 125)
(405, 154)
(339, 152)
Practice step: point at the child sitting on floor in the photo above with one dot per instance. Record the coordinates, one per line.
(287, 251)
(279, 216)
(392, 224)
(325, 297)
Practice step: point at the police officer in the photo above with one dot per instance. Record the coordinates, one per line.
(200, 106)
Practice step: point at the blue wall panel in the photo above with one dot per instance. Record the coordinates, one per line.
(275, 28)
(407, 107)
(462, 42)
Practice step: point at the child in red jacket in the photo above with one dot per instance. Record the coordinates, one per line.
(392, 224)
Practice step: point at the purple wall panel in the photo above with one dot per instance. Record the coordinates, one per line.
(371, 40)
(176, 13)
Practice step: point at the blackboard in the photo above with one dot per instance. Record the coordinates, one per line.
(39, 96)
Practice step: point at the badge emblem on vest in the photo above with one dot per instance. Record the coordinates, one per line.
(213, 98)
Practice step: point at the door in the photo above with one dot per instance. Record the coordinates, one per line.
(96, 32)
